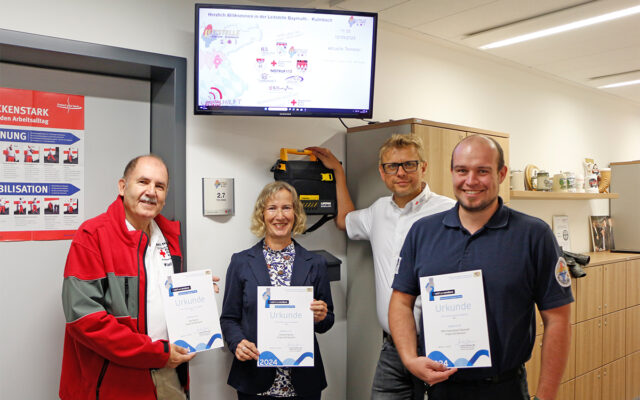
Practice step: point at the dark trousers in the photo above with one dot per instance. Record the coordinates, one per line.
(244, 396)
(514, 388)
(392, 381)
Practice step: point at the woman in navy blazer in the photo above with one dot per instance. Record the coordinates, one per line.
(274, 261)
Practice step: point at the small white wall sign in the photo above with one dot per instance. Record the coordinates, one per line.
(217, 196)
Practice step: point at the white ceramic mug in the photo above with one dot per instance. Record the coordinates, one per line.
(517, 180)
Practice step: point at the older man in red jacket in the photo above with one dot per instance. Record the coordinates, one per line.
(116, 344)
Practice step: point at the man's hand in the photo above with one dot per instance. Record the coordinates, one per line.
(246, 350)
(345, 204)
(319, 309)
(177, 356)
(428, 370)
(403, 331)
(215, 285)
(326, 157)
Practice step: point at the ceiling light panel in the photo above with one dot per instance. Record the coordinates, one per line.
(549, 21)
(620, 84)
(564, 28)
(584, 44)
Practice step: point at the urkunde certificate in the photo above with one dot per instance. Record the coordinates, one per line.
(455, 319)
(285, 326)
(191, 311)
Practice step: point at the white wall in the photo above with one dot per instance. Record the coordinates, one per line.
(116, 111)
(552, 124)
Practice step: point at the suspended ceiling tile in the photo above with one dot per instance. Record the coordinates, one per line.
(489, 15)
(594, 65)
(368, 5)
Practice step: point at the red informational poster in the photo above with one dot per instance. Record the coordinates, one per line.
(42, 165)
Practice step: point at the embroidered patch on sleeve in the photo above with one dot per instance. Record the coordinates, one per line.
(562, 273)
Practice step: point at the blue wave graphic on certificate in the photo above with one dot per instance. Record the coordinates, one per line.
(460, 362)
(199, 346)
(268, 359)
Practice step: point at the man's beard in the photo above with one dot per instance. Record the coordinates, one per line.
(479, 207)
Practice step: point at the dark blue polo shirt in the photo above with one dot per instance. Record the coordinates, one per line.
(518, 256)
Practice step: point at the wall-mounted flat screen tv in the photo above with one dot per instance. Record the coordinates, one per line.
(252, 60)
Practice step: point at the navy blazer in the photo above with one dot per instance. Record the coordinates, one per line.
(239, 318)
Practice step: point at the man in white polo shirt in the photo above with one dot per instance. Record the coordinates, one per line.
(385, 224)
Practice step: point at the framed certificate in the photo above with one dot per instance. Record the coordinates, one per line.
(285, 326)
(561, 231)
(455, 319)
(191, 311)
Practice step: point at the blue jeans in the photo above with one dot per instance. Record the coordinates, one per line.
(392, 381)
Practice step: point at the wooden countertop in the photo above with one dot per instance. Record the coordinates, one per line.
(606, 257)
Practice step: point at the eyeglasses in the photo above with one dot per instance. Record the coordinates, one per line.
(408, 166)
(275, 210)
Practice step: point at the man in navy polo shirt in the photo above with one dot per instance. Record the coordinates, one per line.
(521, 265)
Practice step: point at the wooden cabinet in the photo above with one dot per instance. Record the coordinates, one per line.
(633, 329)
(632, 376)
(533, 366)
(604, 360)
(588, 336)
(439, 141)
(633, 282)
(589, 296)
(588, 386)
(567, 391)
(613, 287)
(613, 336)
(613, 379)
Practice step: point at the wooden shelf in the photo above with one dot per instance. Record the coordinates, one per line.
(605, 257)
(532, 195)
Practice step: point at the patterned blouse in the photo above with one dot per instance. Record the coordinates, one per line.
(280, 267)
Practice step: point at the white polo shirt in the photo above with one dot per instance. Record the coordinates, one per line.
(158, 264)
(386, 225)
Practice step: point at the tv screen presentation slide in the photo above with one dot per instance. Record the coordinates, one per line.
(284, 61)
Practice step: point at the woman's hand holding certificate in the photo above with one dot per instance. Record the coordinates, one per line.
(285, 325)
(246, 350)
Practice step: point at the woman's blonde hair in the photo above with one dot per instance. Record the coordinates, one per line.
(258, 227)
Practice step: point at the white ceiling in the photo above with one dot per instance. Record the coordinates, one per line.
(593, 56)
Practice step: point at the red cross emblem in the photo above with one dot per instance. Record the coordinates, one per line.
(162, 253)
